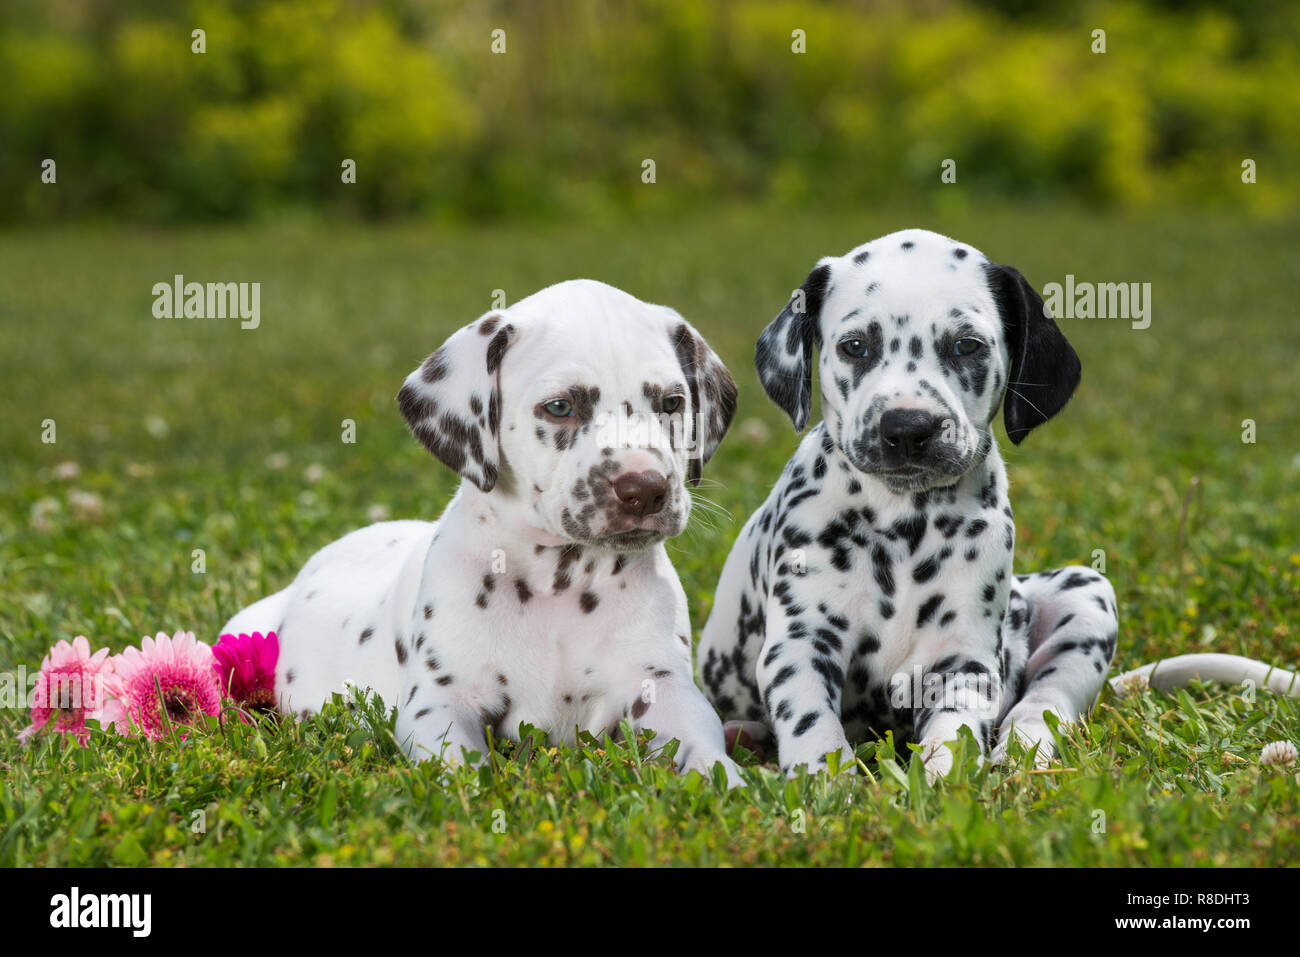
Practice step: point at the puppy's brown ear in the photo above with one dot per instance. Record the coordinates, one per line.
(452, 402)
(787, 348)
(712, 391)
(1045, 369)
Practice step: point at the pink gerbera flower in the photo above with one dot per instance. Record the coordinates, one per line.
(246, 665)
(69, 689)
(166, 681)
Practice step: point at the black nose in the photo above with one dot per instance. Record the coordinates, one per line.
(908, 431)
(641, 493)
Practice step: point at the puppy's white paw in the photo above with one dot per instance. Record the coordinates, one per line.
(817, 756)
(704, 765)
(936, 755)
(1030, 733)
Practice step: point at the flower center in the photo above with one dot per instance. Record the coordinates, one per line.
(261, 699)
(179, 704)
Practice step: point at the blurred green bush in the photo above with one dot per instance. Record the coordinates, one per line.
(561, 122)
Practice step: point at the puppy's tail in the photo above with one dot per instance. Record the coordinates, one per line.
(1227, 669)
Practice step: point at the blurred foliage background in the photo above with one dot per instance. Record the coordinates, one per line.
(440, 126)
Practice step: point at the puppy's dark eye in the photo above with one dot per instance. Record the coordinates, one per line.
(853, 348)
(966, 347)
(560, 408)
(671, 404)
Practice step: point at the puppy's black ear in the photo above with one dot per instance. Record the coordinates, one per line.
(785, 353)
(1044, 367)
(713, 393)
(452, 402)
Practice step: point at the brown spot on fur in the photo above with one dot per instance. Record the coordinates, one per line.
(434, 368)
(496, 349)
(568, 555)
(708, 377)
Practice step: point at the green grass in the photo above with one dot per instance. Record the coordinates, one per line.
(196, 434)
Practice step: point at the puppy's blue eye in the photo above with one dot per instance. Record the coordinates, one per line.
(560, 408)
(966, 347)
(671, 403)
(854, 348)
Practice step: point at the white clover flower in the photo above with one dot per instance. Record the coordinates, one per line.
(42, 512)
(1281, 754)
(86, 505)
(157, 427)
(1131, 684)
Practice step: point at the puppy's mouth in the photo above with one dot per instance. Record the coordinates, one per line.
(913, 479)
(633, 538)
(623, 532)
(641, 531)
(939, 470)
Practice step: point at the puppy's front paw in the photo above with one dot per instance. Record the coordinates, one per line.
(936, 755)
(820, 756)
(703, 764)
(1030, 733)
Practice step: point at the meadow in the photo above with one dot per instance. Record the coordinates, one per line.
(196, 434)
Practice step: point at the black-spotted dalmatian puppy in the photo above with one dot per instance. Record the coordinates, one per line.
(544, 593)
(873, 590)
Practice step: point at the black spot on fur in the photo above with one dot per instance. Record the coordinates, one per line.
(927, 609)
(925, 570)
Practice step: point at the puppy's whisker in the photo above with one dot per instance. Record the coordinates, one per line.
(709, 505)
(704, 518)
(1030, 404)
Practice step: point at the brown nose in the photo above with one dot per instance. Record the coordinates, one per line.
(641, 493)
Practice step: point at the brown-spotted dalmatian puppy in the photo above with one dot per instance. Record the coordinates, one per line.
(544, 593)
(873, 590)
